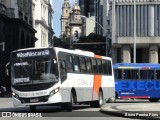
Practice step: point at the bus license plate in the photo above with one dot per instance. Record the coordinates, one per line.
(34, 100)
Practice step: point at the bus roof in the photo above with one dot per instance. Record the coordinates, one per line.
(79, 52)
(57, 49)
(143, 66)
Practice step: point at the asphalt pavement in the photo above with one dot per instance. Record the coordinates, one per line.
(145, 110)
(128, 109)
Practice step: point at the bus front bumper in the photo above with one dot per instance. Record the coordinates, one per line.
(41, 100)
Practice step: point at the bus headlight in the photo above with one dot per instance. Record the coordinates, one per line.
(15, 95)
(54, 92)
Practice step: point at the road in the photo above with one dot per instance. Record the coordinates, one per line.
(84, 112)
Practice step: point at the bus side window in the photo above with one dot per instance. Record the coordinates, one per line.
(158, 74)
(94, 65)
(109, 67)
(150, 74)
(89, 65)
(62, 67)
(104, 65)
(126, 74)
(143, 74)
(134, 74)
(83, 64)
(76, 64)
(118, 74)
(70, 64)
(99, 64)
(130, 74)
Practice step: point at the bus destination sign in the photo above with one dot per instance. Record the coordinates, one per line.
(33, 53)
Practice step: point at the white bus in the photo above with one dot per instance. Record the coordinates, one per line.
(48, 76)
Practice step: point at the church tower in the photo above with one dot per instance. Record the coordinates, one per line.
(75, 23)
(65, 17)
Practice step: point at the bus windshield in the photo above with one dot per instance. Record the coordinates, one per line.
(34, 71)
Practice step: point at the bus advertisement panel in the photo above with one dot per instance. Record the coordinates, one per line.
(140, 80)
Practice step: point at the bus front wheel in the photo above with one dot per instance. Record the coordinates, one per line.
(153, 99)
(70, 104)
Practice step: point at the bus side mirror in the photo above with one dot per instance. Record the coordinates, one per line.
(7, 72)
(7, 69)
(62, 65)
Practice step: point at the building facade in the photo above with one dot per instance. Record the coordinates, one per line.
(88, 10)
(87, 7)
(88, 25)
(43, 15)
(101, 15)
(65, 17)
(147, 31)
(16, 32)
(71, 22)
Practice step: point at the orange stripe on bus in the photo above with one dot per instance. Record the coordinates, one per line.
(97, 81)
(98, 56)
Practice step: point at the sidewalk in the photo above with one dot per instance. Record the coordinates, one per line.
(142, 111)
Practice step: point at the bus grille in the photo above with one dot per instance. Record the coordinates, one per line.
(39, 99)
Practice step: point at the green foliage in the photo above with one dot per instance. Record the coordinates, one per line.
(59, 42)
(91, 43)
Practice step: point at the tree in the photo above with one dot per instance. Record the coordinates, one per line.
(93, 42)
(59, 42)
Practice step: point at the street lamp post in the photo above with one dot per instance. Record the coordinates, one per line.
(102, 29)
(134, 31)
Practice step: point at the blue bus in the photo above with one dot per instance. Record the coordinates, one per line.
(137, 80)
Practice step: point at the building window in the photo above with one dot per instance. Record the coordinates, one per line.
(43, 39)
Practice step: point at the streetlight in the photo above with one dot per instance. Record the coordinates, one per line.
(3, 46)
(134, 31)
(102, 29)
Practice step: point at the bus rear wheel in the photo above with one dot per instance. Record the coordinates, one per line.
(153, 99)
(100, 101)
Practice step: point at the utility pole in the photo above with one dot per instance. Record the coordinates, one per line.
(134, 32)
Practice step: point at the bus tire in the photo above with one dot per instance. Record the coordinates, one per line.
(153, 99)
(100, 101)
(70, 104)
(32, 108)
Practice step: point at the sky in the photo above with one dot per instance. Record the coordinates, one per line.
(57, 7)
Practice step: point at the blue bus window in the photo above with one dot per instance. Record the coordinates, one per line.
(147, 74)
(126, 74)
(130, 74)
(118, 74)
(158, 74)
(134, 74)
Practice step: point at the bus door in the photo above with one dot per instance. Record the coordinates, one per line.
(62, 69)
(118, 80)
